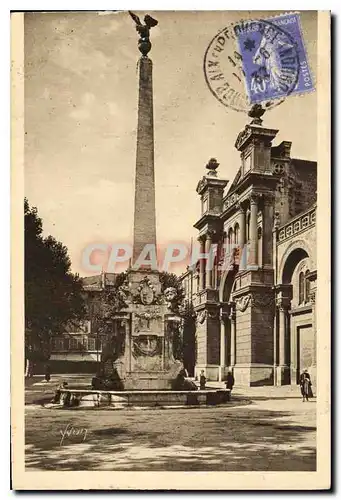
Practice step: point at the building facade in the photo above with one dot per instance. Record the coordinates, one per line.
(254, 287)
(79, 349)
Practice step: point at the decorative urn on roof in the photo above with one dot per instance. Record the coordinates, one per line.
(212, 166)
(256, 113)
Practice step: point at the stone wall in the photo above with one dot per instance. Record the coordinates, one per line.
(296, 188)
(201, 343)
(243, 336)
(213, 341)
(262, 344)
(303, 185)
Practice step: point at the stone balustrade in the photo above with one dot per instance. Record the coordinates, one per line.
(297, 225)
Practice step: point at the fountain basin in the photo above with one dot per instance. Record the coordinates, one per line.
(87, 398)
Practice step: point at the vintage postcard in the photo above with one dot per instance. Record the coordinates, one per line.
(170, 250)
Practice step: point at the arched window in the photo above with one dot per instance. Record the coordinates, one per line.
(236, 234)
(301, 286)
(259, 233)
(307, 286)
(224, 245)
(230, 238)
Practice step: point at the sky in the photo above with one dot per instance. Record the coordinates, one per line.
(81, 117)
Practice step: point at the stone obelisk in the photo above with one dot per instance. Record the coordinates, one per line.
(144, 213)
(147, 324)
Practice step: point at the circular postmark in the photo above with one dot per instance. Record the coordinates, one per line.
(252, 62)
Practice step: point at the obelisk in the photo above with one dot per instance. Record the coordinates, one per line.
(144, 211)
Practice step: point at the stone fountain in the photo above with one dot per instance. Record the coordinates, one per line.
(147, 329)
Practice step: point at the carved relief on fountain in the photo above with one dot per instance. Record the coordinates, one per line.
(147, 345)
(148, 321)
(146, 293)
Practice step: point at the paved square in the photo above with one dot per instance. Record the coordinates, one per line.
(266, 434)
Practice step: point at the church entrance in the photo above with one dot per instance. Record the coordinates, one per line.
(299, 344)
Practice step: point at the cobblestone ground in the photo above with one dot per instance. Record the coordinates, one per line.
(259, 432)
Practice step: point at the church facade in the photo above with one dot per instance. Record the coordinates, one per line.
(255, 305)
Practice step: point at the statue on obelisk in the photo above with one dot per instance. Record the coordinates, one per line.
(144, 212)
(143, 30)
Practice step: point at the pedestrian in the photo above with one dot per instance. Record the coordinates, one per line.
(47, 372)
(305, 385)
(229, 385)
(202, 380)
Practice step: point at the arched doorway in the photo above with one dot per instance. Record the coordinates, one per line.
(227, 332)
(295, 328)
(291, 262)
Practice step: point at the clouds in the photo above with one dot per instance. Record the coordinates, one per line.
(112, 26)
(84, 110)
(76, 55)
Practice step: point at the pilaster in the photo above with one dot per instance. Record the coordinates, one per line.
(283, 300)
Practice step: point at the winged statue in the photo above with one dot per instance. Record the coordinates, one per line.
(144, 31)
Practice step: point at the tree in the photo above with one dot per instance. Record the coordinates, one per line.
(53, 294)
(108, 304)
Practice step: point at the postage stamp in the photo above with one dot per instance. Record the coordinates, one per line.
(261, 61)
(274, 58)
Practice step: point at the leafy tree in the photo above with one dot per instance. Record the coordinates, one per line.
(108, 304)
(53, 294)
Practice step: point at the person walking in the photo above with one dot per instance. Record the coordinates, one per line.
(229, 385)
(305, 384)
